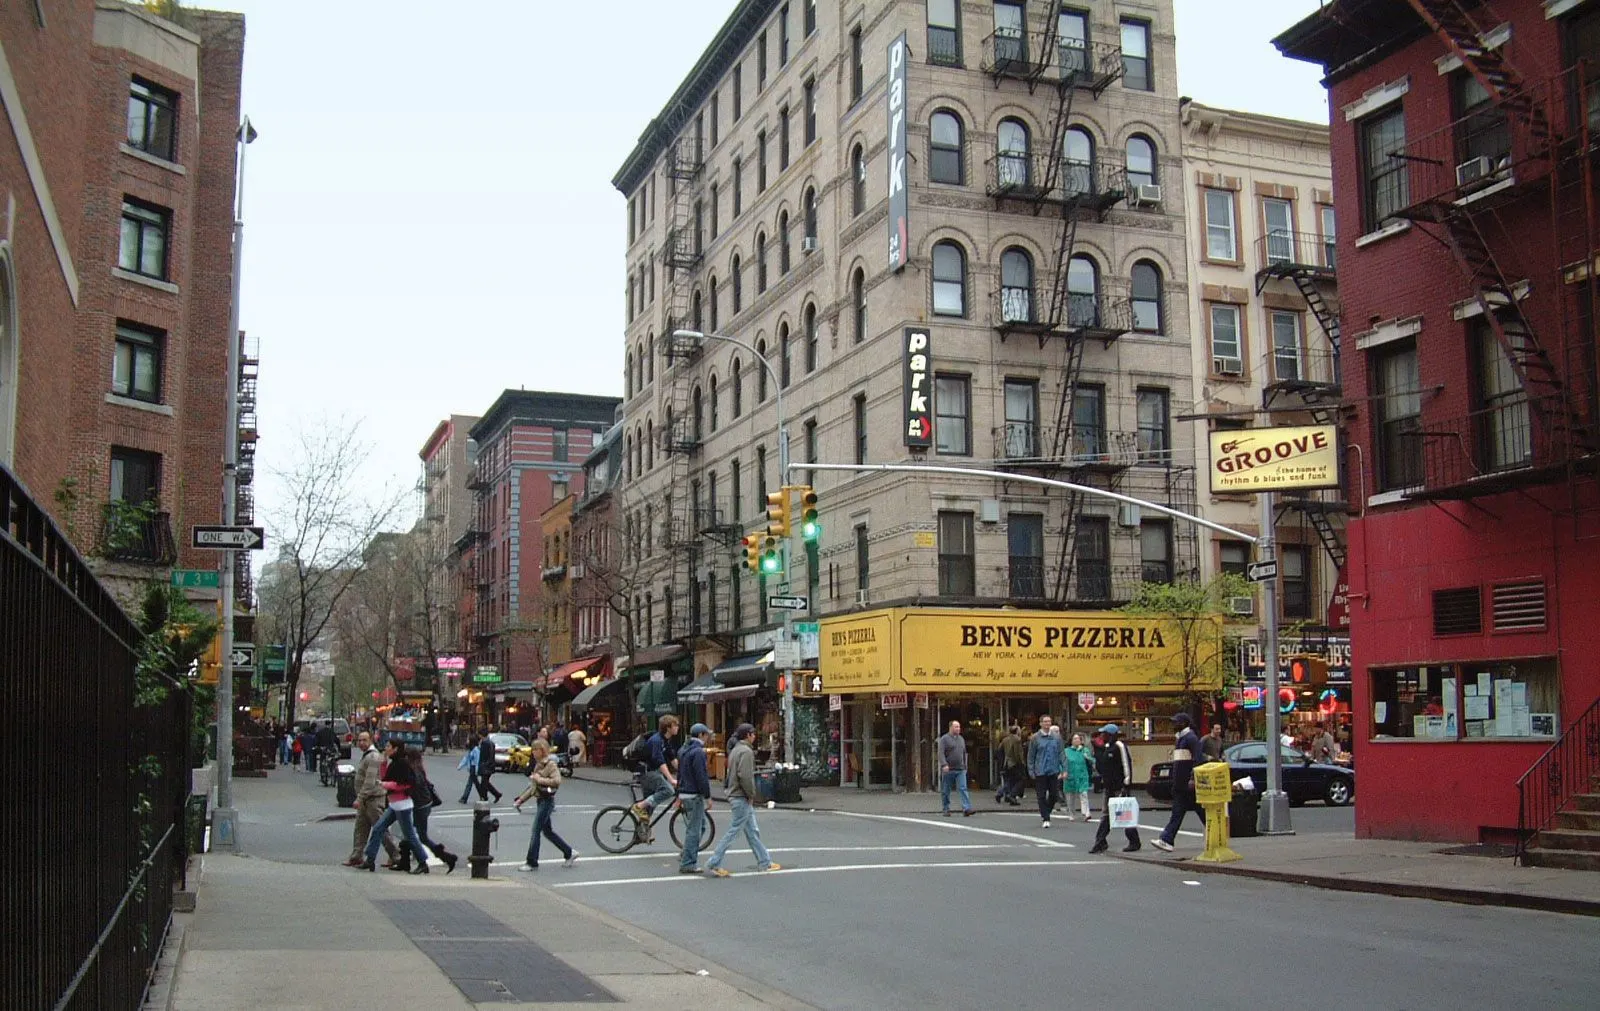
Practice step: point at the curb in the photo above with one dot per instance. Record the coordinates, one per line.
(1403, 890)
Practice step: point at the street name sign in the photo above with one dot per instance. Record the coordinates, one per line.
(228, 538)
(243, 656)
(206, 579)
(1260, 572)
(792, 602)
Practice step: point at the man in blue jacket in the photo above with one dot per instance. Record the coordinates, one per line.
(1184, 754)
(694, 795)
(1044, 765)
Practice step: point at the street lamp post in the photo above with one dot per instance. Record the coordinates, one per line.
(795, 549)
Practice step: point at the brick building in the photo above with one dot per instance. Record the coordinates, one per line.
(446, 510)
(1464, 151)
(119, 170)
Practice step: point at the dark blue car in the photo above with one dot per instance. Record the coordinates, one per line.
(1303, 779)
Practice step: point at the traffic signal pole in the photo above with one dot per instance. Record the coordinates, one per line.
(1274, 817)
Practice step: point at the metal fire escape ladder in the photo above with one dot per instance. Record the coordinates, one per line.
(1464, 37)
(1306, 282)
(1066, 564)
(680, 439)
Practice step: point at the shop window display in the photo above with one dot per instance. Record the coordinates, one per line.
(1467, 701)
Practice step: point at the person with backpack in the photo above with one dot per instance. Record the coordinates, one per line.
(659, 765)
(1116, 771)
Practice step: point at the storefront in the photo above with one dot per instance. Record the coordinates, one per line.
(603, 711)
(565, 682)
(903, 674)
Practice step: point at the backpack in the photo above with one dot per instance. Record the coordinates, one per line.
(638, 749)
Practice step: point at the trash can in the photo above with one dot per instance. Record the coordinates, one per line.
(786, 784)
(345, 779)
(1243, 811)
(764, 784)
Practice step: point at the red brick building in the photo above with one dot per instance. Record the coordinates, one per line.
(1464, 163)
(116, 267)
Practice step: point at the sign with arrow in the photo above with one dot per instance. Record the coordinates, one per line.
(223, 538)
(1260, 572)
(792, 602)
(243, 656)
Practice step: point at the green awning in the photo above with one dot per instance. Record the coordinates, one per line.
(657, 698)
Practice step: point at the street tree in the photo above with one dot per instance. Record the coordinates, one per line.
(1190, 615)
(391, 627)
(612, 542)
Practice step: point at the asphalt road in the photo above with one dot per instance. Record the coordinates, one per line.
(917, 912)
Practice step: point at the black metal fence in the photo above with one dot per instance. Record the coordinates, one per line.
(96, 783)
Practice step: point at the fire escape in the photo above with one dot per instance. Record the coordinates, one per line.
(244, 500)
(1531, 142)
(1067, 305)
(683, 430)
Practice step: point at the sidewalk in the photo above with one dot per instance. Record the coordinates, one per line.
(1341, 862)
(291, 935)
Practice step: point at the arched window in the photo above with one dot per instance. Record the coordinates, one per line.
(944, 148)
(810, 317)
(761, 262)
(649, 445)
(1016, 286)
(713, 403)
(949, 280)
(711, 314)
(783, 355)
(738, 286)
(858, 301)
(1141, 161)
(629, 370)
(1147, 297)
(1083, 292)
(858, 181)
(696, 318)
(697, 416)
(761, 372)
(1012, 168)
(738, 389)
(648, 353)
(631, 457)
(810, 206)
(1077, 152)
(783, 243)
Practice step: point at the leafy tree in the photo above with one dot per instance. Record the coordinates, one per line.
(1190, 616)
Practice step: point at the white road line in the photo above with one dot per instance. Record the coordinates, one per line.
(850, 867)
(945, 823)
(673, 855)
(1181, 831)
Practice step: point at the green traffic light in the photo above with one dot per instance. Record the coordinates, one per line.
(810, 530)
(771, 563)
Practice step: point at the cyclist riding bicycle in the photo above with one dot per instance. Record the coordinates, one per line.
(660, 781)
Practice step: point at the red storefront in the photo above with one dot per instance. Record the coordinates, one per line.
(1464, 147)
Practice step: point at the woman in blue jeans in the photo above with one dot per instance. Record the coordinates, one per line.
(397, 778)
(543, 782)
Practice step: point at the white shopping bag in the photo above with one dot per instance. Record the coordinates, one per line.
(1124, 812)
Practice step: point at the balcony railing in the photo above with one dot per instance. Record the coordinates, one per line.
(130, 536)
(1030, 175)
(1039, 309)
(1281, 253)
(1014, 52)
(1026, 578)
(1496, 449)
(944, 46)
(1027, 444)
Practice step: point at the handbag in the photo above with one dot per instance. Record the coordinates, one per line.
(1124, 812)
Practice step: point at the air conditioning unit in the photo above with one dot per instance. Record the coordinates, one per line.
(808, 244)
(1474, 170)
(1242, 607)
(577, 570)
(1227, 366)
(862, 598)
(1147, 194)
(1128, 515)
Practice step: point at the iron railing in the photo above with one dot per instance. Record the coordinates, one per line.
(1034, 176)
(1280, 253)
(1568, 767)
(129, 537)
(93, 847)
(944, 46)
(1491, 450)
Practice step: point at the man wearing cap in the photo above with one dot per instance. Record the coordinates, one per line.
(741, 784)
(694, 796)
(1116, 769)
(1184, 753)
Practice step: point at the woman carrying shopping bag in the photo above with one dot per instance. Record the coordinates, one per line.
(543, 782)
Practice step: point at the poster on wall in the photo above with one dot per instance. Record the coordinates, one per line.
(899, 198)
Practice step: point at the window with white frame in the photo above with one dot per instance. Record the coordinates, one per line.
(1221, 234)
(1227, 340)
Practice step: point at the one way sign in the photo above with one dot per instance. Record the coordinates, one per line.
(229, 538)
(243, 656)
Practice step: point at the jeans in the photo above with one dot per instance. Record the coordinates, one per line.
(485, 787)
(1048, 786)
(744, 820)
(543, 829)
(660, 791)
(956, 778)
(693, 807)
(408, 829)
(1182, 804)
(367, 815)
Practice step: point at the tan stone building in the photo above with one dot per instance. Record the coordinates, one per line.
(1044, 258)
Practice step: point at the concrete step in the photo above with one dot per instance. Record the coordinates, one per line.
(1568, 839)
(1581, 821)
(1584, 802)
(1570, 859)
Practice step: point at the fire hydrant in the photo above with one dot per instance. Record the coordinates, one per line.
(482, 827)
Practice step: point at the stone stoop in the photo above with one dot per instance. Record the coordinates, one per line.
(1573, 838)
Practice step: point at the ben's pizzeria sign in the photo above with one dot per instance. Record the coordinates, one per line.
(1274, 459)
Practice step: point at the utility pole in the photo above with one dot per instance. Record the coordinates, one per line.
(1274, 817)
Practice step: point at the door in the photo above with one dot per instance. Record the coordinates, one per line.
(1280, 231)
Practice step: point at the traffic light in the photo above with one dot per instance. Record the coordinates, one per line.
(778, 514)
(810, 525)
(771, 556)
(752, 551)
(1308, 671)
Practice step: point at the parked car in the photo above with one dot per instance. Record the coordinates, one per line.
(509, 751)
(1303, 779)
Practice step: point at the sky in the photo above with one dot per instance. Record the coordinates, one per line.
(429, 217)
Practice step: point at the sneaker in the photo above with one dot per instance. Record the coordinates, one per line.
(528, 867)
(719, 872)
(1162, 845)
(571, 860)
(1045, 825)
(773, 867)
(947, 814)
(1098, 848)
(688, 870)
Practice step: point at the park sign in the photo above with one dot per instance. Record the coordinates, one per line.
(899, 191)
(1274, 459)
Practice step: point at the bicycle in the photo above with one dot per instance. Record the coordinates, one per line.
(616, 828)
(325, 759)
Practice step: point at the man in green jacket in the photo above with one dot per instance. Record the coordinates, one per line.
(742, 797)
(1011, 772)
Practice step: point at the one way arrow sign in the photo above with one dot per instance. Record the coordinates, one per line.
(243, 655)
(229, 538)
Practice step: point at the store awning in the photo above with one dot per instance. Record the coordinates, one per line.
(586, 697)
(706, 688)
(747, 669)
(568, 677)
(657, 655)
(657, 698)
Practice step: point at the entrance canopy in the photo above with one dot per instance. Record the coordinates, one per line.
(706, 688)
(746, 669)
(586, 697)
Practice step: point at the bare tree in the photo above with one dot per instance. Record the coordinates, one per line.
(620, 568)
(391, 619)
(323, 520)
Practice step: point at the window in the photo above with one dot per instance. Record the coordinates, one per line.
(630, 296)
(716, 205)
(1077, 170)
(862, 559)
(761, 63)
(1482, 130)
(738, 286)
(628, 382)
(711, 292)
(1136, 55)
(1398, 408)
(1296, 585)
(558, 445)
(1286, 345)
(810, 17)
(957, 575)
(1233, 557)
(1383, 179)
(136, 370)
(1582, 33)
(738, 92)
(810, 111)
(1022, 419)
(1011, 150)
(1083, 292)
(143, 248)
(761, 480)
(858, 302)
(808, 205)
(697, 427)
(952, 415)
(761, 261)
(1227, 342)
(783, 355)
(761, 373)
(558, 488)
(1279, 218)
(858, 182)
(736, 489)
(761, 162)
(713, 387)
(1221, 237)
(1016, 286)
(1505, 428)
(949, 280)
(1088, 422)
(1155, 551)
(1146, 291)
(1469, 700)
(783, 36)
(944, 148)
(696, 320)
(784, 263)
(1155, 430)
(1025, 544)
(716, 116)
(1092, 558)
(810, 319)
(1010, 37)
(857, 69)
(1325, 218)
(1141, 161)
(153, 119)
(1072, 43)
(135, 475)
(858, 409)
(738, 188)
(783, 138)
(944, 33)
(809, 447)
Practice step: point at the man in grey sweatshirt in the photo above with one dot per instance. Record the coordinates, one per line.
(953, 769)
(742, 796)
